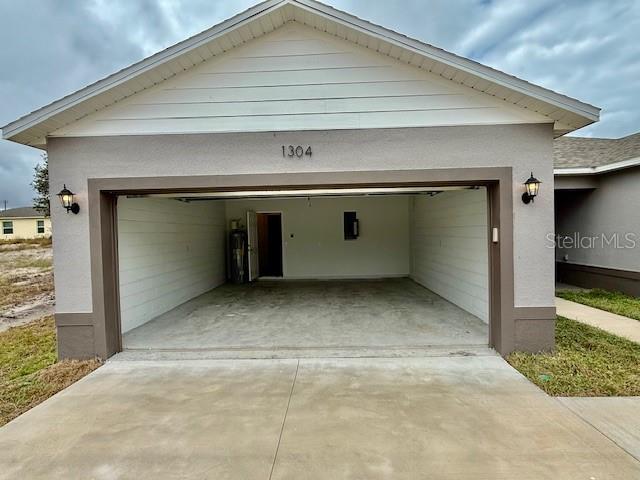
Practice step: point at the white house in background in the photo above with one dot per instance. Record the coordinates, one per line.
(344, 151)
(597, 183)
(24, 222)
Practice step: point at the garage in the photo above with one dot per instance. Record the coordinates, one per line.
(392, 182)
(347, 272)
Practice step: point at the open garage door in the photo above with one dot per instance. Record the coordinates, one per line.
(364, 270)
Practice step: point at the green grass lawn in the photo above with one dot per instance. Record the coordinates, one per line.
(29, 373)
(614, 302)
(587, 362)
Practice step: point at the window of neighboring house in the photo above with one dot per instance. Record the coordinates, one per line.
(40, 226)
(7, 228)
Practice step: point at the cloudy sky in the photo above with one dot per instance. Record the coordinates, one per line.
(587, 49)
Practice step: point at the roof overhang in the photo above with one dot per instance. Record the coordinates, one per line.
(612, 167)
(567, 114)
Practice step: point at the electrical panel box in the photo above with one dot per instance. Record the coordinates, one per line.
(351, 226)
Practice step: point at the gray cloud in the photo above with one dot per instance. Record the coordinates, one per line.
(585, 49)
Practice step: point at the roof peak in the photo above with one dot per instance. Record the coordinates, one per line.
(568, 114)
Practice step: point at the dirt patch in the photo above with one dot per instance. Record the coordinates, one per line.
(26, 283)
(25, 244)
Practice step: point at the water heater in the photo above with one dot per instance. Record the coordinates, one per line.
(238, 253)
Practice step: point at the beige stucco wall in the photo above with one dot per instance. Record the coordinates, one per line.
(525, 148)
(596, 217)
(25, 228)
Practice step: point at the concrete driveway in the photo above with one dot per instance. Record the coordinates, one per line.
(409, 418)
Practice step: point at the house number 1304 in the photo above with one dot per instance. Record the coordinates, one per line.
(295, 151)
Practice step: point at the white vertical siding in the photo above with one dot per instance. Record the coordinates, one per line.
(169, 252)
(449, 248)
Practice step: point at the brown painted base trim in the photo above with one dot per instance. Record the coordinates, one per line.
(586, 276)
(76, 342)
(75, 335)
(73, 319)
(535, 329)
(534, 313)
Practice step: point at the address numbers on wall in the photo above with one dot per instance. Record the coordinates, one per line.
(296, 151)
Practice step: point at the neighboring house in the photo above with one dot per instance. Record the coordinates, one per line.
(376, 155)
(24, 222)
(597, 182)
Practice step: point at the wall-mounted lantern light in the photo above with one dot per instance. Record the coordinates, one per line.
(66, 197)
(532, 185)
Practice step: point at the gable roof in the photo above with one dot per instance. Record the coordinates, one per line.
(595, 155)
(21, 212)
(568, 114)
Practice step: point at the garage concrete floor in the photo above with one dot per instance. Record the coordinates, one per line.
(387, 313)
(410, 418)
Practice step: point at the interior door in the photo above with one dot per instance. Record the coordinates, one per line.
(252, 244)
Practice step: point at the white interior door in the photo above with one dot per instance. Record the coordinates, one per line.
(252, 244)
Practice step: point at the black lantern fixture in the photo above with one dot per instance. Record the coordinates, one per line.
(66, 197)
(532, 185)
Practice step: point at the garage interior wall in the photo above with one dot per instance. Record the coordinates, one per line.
(313, 235)
(169, 252)
(449, 253)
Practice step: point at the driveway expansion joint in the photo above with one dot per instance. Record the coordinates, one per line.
(284, 419)
(596, 428)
